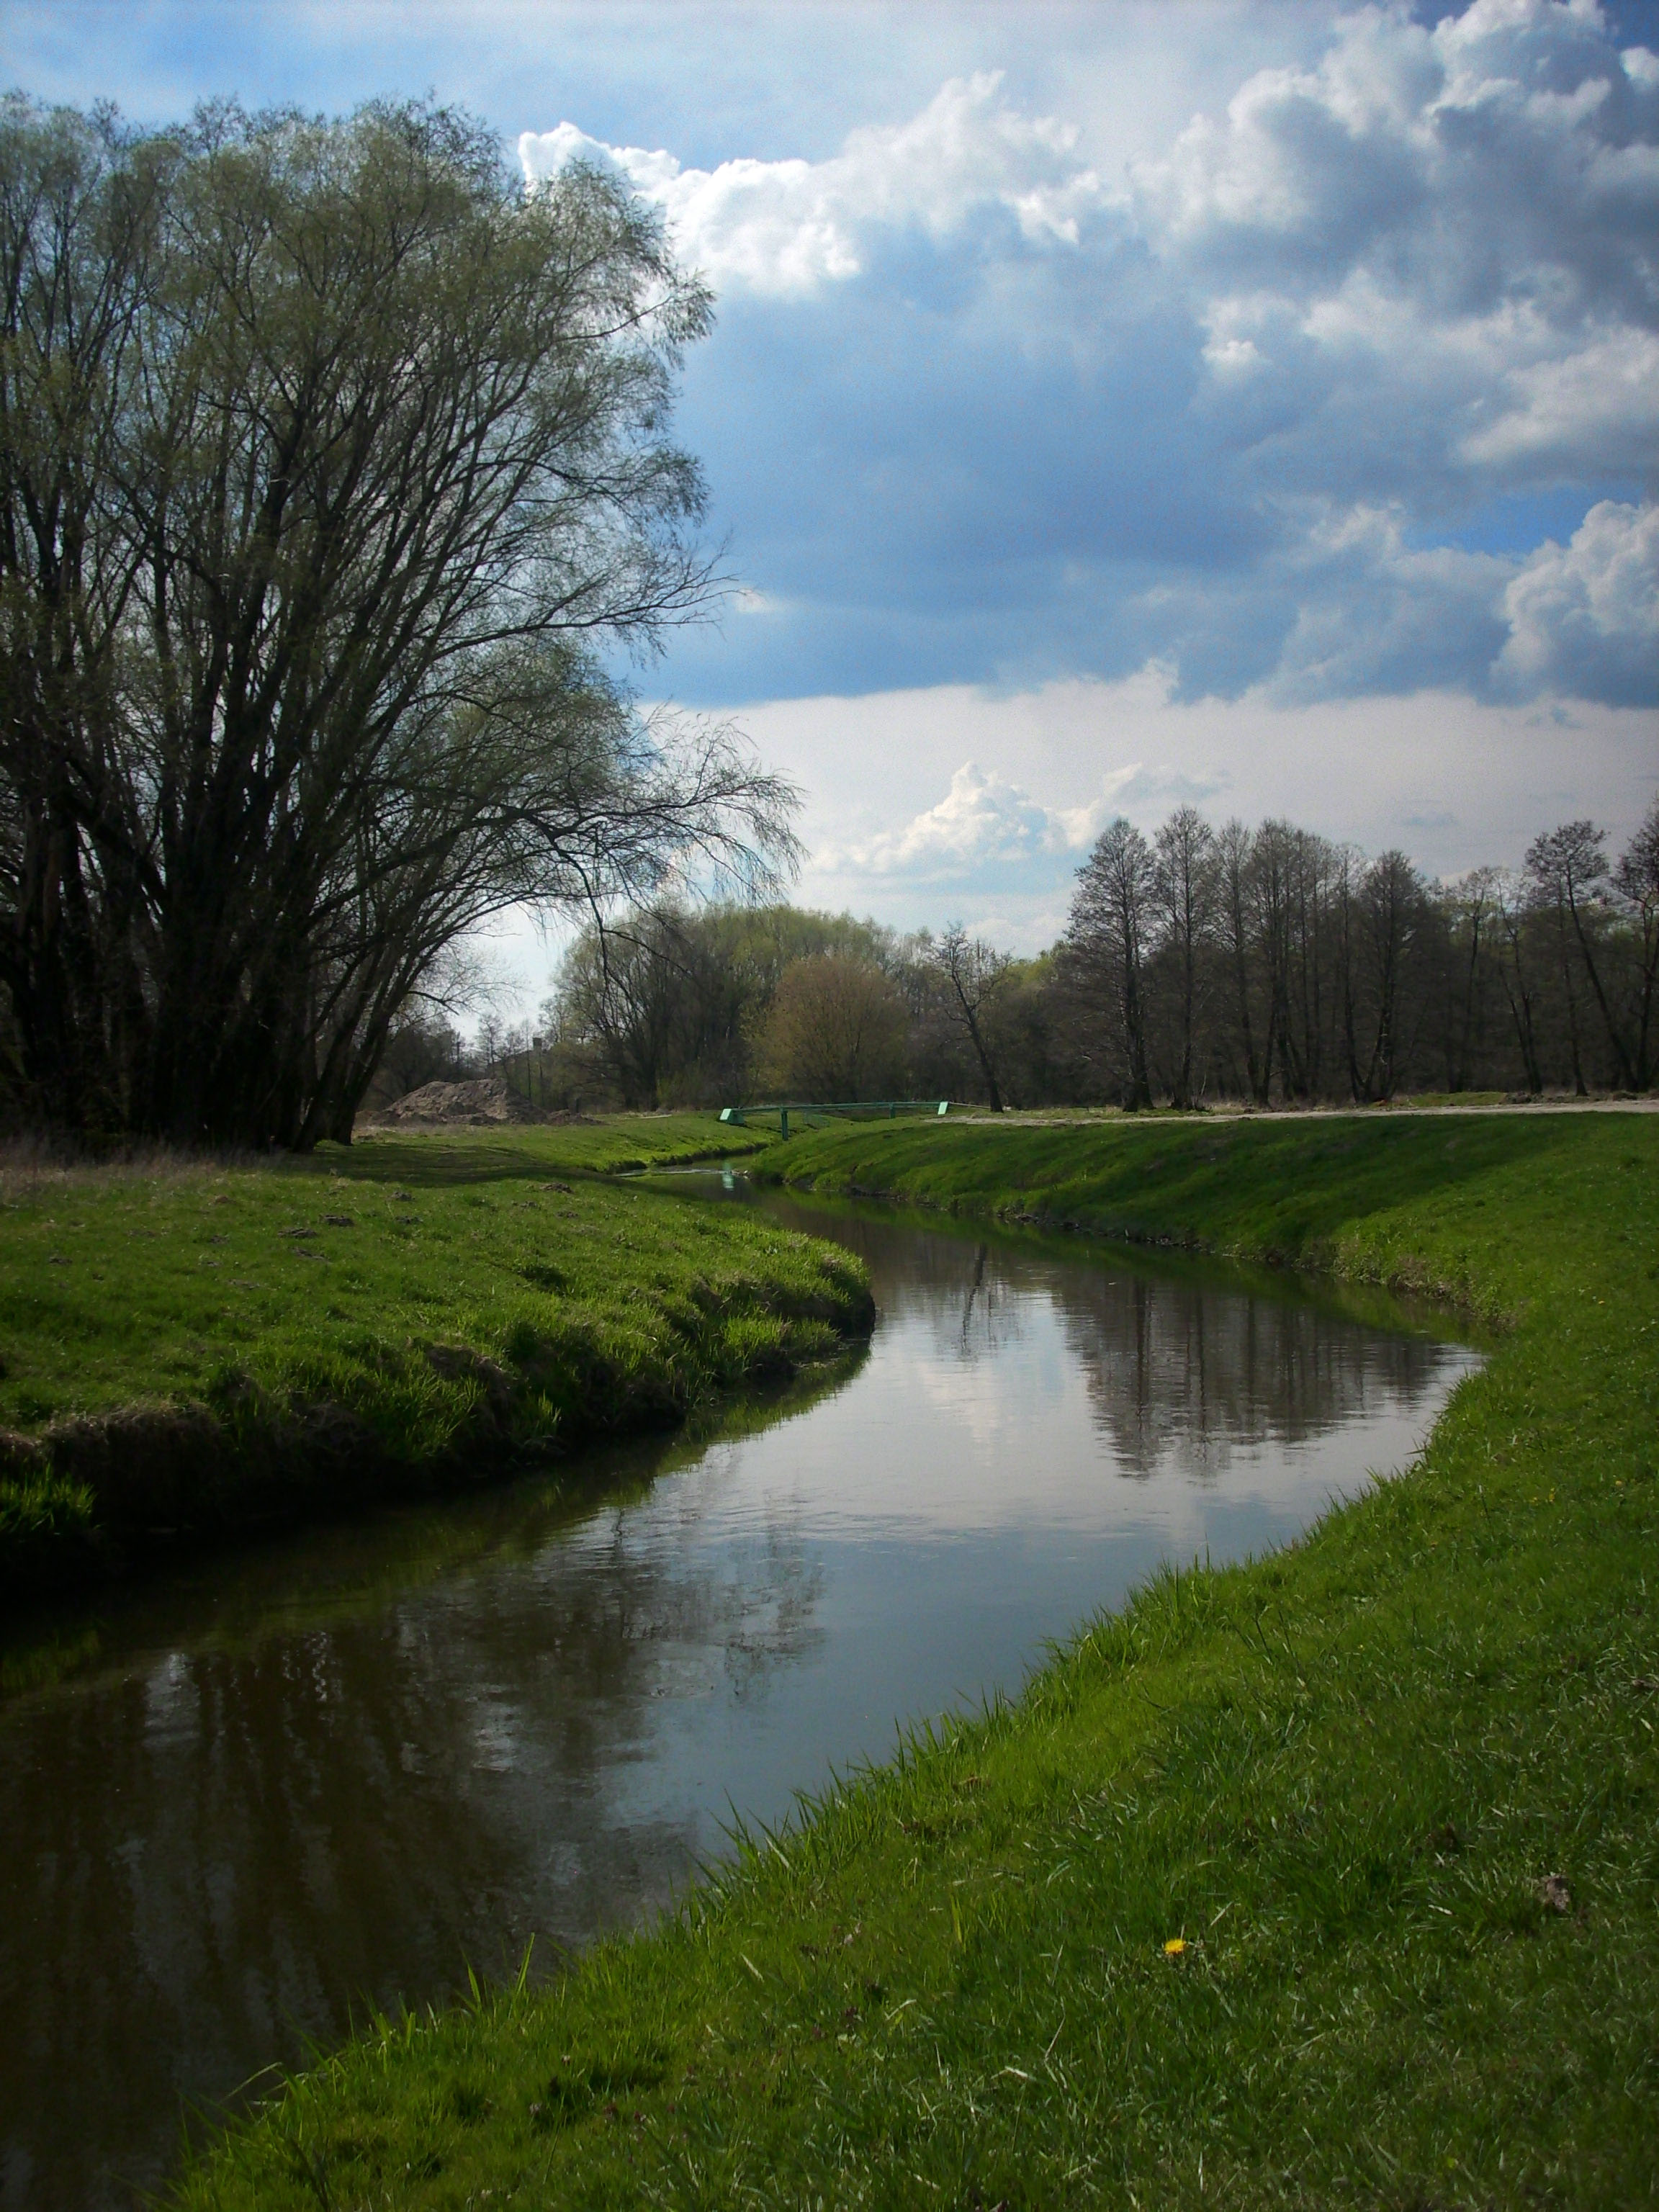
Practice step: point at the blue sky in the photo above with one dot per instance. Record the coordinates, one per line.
(1107, 404)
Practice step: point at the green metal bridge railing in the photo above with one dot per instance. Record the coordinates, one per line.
(807, 1112)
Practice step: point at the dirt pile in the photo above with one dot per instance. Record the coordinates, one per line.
(477, 1104)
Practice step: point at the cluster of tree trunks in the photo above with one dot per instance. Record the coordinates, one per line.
(1271, 964)
(333, 468)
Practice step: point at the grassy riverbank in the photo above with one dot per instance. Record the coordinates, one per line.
(1476, 1211)
(1330, 1880)
(190, 1346)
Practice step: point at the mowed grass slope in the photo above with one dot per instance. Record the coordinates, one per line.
(1331, 1880)
(190, 1346)
(1406, 1200)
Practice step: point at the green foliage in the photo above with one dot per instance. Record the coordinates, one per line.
(192, 1345)
(673, 1005)
(334, 467)
(47, 1527)
(1329, 1879)
(836, 1030)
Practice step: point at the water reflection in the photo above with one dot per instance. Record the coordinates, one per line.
(1181, 1376)
(341, 1768)
(1173, 1373)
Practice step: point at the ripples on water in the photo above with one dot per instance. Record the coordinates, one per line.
(339, 1769)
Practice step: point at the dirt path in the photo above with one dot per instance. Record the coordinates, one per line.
(1082, 1116)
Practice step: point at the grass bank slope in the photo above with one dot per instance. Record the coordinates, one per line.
(186, 1347)
(1469, 1210)
(1331, 1880)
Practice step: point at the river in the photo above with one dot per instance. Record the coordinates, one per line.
(242, 1804)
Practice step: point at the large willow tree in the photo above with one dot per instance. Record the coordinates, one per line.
(335, 472)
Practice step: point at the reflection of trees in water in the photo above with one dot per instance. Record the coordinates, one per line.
(1175, 1367)
(1170, 1366)
(972, 1302)
(968, 1293)
(986, 1301)
(203, 1858)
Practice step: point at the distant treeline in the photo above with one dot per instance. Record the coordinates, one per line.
(1276, 966)
(1267, 964)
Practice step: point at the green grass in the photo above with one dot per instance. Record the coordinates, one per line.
(613, 1145)
(1332, 1195)
(194, 1346)
(1328, 1880)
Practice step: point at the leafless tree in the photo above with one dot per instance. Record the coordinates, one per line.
(1395, 907)
(1520, 982)
(1236, 853)
(1562, 865)
(1636, 882)
(1474, 904)
(972, 974)
(1107, 934)
(1185, 890)
(1568, 868)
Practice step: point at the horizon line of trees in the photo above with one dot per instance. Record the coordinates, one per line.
(1267, 964)
(1275, 965)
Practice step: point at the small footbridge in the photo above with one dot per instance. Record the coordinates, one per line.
(809, 1114)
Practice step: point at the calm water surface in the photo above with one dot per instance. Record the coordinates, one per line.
(235, 1806)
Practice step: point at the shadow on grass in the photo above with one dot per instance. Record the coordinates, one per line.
(426, 1163)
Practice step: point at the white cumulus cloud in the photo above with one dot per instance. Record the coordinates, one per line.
(1291, 404)
(982, 819)
(1448, 234)
(1590, 607)
(1594, 407)
(987, 821)
(793, 226)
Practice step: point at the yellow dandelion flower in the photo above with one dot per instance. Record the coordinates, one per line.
(1175, 1946)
